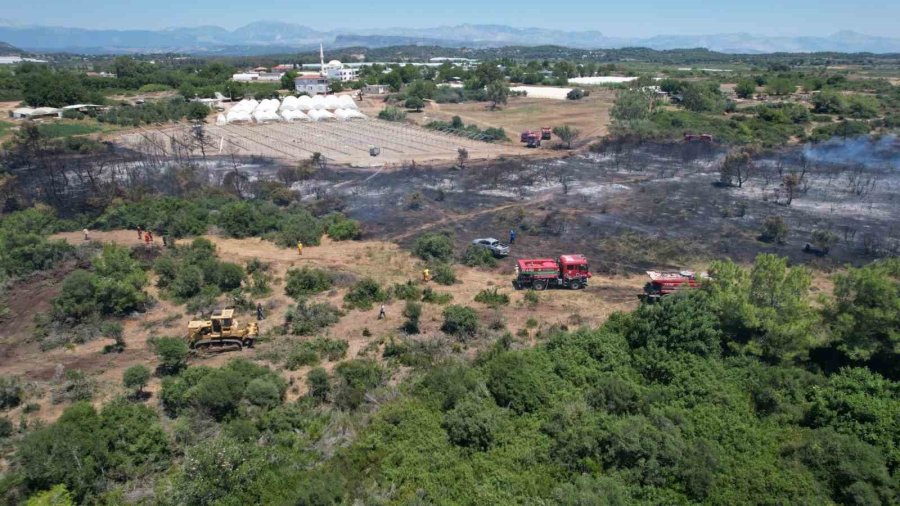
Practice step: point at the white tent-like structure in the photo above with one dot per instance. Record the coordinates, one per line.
(290, 103)
(318, 102)
(267, 111)
(347, 102)
(294, 115)
(320, 115)
(332, 103)
(304, 103)
(238, 116)
(348, 114)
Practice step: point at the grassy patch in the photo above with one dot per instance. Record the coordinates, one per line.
(61, 129)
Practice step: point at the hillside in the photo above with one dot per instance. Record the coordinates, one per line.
(9, 49)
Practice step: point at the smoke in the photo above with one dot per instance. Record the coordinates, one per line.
(869, 151)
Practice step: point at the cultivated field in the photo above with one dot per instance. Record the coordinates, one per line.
(590, 114)
(342, 142)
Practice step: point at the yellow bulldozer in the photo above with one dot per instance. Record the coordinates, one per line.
(221, 330)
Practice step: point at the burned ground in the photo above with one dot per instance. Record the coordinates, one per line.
(641, 207)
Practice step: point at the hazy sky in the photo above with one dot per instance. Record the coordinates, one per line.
(621, 18)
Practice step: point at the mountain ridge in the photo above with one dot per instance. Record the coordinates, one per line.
(291, 35)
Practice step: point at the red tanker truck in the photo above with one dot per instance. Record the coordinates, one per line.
(664, 283)
(569, 271)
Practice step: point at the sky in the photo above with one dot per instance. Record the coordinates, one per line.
(623, 18)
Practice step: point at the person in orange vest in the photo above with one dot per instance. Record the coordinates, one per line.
(147, 238)
(299, 248)
(151, 235)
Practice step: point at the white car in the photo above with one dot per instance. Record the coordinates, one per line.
(496, 247)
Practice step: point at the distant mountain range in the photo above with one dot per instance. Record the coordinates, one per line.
(272, 37)
(9, 50)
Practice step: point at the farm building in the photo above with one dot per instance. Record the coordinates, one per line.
(313, 84)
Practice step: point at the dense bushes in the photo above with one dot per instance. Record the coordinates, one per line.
(300, 283)
(219, 392)
(363, 294)
(188, 272)
(433, 247)
(114, 286)
(460, 321)
(472, 131)
(308, 318)
(23, 244)
(84, 448)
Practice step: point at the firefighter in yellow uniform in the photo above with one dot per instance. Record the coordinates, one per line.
(299, 248)
(426, 275)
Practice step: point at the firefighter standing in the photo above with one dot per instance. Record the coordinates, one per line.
(87, 235)
(147, 238)
(299, 248)
(426, 275)
(259, 312)
(512, 236)
(381, 314)
(140, 232)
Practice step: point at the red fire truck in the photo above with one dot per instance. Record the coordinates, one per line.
(569, 271)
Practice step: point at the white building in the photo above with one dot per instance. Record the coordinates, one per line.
(262, 77)
(311, 84)
(336, 71)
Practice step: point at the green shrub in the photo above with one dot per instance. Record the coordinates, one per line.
(434, 247)
(307, 281)
(491, 297)
(406, 291)
(363, 294)
(354, 379)
(391, 113)
(412, 311)
(247, 219)
(11, 392)
(171, 352)
(443, 274)
(476, 256)
(531, 298)
(432, 297)
(460, 321)
(318, 383)
(300, 356)
(230, 276)
(474, 423)
(340, 228)
(774, 230)
(297, 225)
(305, 319)
(264, 393)
(76, 386)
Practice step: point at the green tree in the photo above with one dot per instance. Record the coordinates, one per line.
(57, 496)
(135, 378)
(172, 354)
(497, 93)
(473, 423)
(632, 107)
(864, 316)
(745, 88)
(415, 103)
(567, 134)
